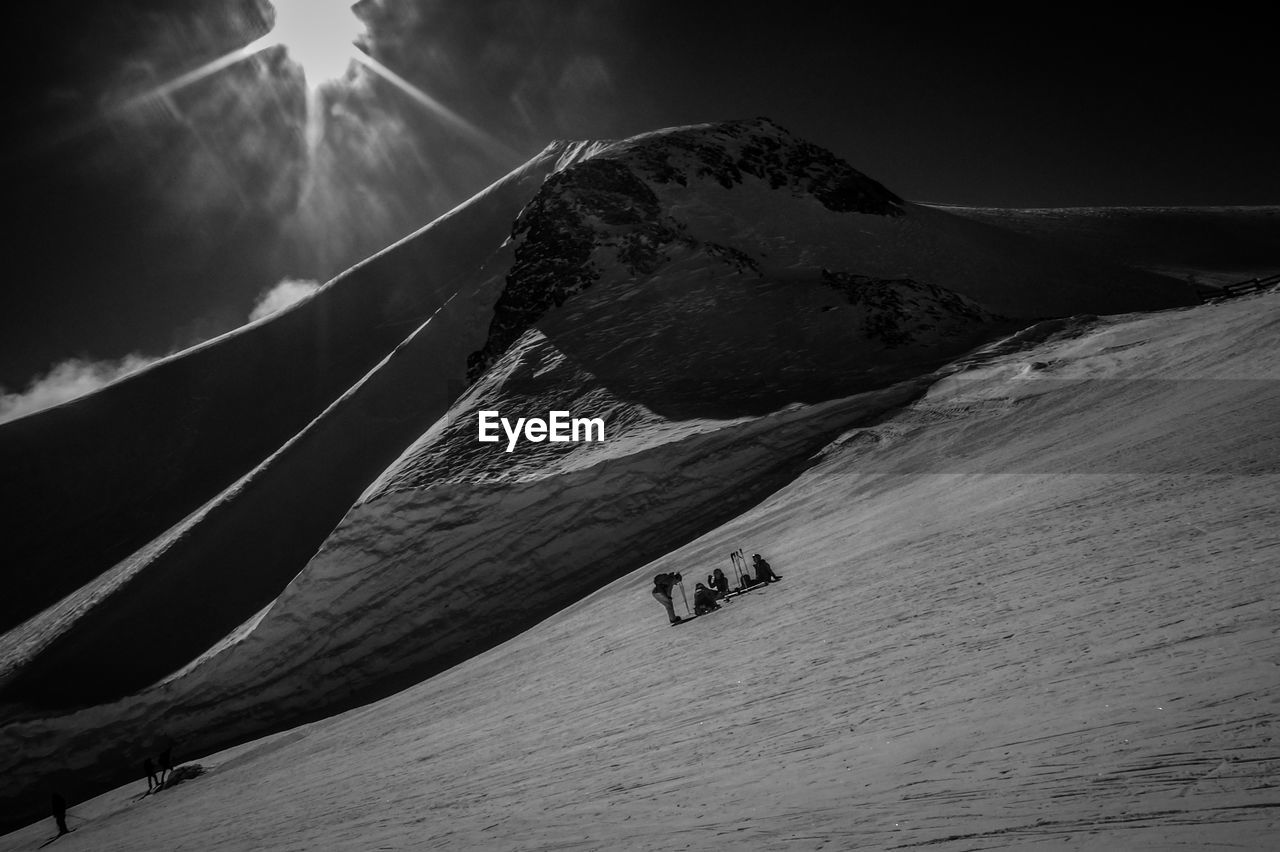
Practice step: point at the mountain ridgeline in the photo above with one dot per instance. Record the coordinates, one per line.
(298, 517)
(608, 205)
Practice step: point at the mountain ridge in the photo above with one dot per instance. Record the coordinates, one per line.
(724, 312)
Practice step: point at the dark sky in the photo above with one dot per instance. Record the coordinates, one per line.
(144, 230)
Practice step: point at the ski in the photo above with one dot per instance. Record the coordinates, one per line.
(689, 618)
(746, 589)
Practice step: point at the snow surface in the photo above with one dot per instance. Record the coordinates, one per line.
(1036, 608)
(95, 482)
(343, 535)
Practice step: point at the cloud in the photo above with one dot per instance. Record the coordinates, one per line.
(72, 378)
(76, 377)
(281, 296)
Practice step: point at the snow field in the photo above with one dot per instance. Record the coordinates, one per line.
(985, 658)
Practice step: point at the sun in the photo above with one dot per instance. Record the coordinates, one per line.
(319, 35)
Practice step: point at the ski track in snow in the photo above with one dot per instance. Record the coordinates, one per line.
(956, 661)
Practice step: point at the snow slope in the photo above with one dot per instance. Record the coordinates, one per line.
(729, 297)
(1036, 608)
(90, 482)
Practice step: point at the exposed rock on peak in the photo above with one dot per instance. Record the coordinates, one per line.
(602, 208)
(731, 152)
(900, 311)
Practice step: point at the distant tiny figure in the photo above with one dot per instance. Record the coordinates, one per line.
(764, 573)
(150, 769)
(59, 806)
(662, 585)
(704, 600)
(166, 764)
(719, 582)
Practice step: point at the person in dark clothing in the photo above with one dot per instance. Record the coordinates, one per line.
(166, 765)
(150, 769)
(662, 586)
(719, 582)
(704, 600)
(59, 806)
(764, 573)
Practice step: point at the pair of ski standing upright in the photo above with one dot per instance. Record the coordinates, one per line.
(704, 598)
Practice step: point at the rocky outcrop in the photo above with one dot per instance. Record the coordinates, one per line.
(599, 205)
(900, 311)
(604, 210)
(730, 153)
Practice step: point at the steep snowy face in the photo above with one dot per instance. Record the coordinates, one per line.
(95, 482)
(752, 200)
(609, 214)
(732, 269)
(681, 289)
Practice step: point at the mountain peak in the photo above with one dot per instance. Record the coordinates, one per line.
(730, 152)
(624, 197)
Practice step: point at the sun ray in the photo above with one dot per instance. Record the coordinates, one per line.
(489, 142)
(182, 81)
(318, 36)
(321, 39)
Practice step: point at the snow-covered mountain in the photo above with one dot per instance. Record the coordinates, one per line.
(298, 516)
(1034, 607)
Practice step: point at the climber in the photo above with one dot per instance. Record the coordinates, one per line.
(764, 573)
(662, 585)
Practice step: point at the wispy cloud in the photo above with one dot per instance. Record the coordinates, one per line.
(281, 296)
(65, 381)
(76, 377)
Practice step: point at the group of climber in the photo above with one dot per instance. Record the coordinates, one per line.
(705, 597)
